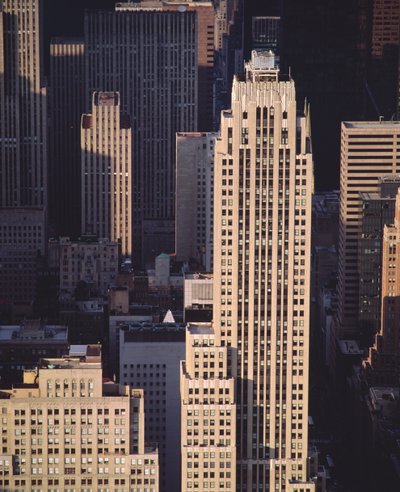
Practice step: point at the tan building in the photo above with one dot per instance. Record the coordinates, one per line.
(384, 357)
(194, 198)
(208, 413)
(369, 150)
(65, 429)
(106, 171)
(66, 105)
(23, 121)
(262, 228)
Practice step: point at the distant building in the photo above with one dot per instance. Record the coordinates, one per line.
(194, 198)
(377, 211)
(83, 432)
(21, 347)
(369, 150)
(107, 171)
(89, 261)
(22, 242)
(23, 122)
(149, 358)
(385, 25)
(384, 357)
(198, 297)
(66, 105)
(161, 98)
(265, 33)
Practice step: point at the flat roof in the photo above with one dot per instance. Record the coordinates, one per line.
(350, 347)
(372, 124)
(33, 333)
(201, 328)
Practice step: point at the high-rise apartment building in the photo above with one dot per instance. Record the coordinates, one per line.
(194, 197)
(385, 25)
(262, 209)
(384, 357)
(65, 107)
(377, 210)
(149, 56)
(66, 429)
(369, 150)
(107, 171)
(23, 122)
(208, 413)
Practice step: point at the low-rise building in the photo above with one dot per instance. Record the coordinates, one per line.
(21, 347)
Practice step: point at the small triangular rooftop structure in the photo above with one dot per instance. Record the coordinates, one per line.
(168, 318)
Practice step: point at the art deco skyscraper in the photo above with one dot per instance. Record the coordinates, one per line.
(263, 185)
(23, 154)
(106, 171)
(149, 56)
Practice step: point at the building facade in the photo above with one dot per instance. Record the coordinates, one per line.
(208, 411)
(262, 209)
(23, 122)
(384, 357)
(149, 56)
(149, 359)
(194, 198)
(22, 242)
(21, 347)
(66, 106)
(90, 260)
(106, 172)
(377, 211)
(385, 25)
(369, 150)
(64, 429)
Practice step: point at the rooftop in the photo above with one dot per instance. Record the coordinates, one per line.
(350, 347)
(201, 329)
(372, 124)
(34, 331)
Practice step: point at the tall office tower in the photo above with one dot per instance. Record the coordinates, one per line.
(66, 105)
(23, 122)
(385, 25)
(265, 33)
(377, 210)
(384, 357)
(369, 149)
(22, 241)
(107, 171)
(149, 56)
(149, 360)
(208, 413)
(66, 429)
(194, 198)
(262, 208)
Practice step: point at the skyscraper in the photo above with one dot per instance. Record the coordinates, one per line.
(107, 171)
(149, 56)
(262, 207)
(66, 105)
(369, 149)
(194, 197)
(385, 25)
(23, 122)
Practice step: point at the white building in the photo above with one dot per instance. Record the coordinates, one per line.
(149, 358)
